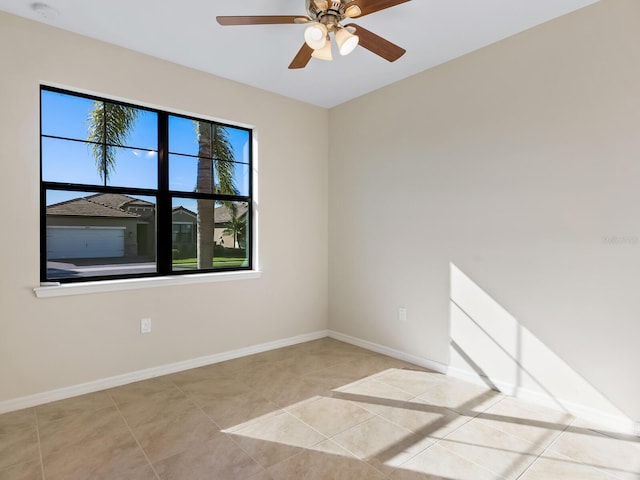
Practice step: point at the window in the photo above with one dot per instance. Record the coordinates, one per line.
(129, 191)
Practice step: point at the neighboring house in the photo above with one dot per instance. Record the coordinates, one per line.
(113, 225)
(184, 232)
(100, 226)
(223, 232)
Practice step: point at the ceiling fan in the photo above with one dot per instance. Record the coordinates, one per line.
(325, 17)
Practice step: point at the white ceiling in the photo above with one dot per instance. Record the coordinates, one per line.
(185, 32)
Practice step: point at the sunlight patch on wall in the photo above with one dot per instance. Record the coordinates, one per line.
(488, 344)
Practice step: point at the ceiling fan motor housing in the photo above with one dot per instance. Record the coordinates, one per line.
(328, 13)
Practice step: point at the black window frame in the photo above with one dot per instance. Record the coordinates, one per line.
(164, 197)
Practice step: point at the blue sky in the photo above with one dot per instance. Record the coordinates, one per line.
(136, 165)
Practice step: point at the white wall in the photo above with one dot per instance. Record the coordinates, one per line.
(520, 165)
(52, 343)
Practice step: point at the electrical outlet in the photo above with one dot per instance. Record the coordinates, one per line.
(402, 314)
(145, 325)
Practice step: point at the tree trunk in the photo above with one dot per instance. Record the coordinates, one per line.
(206, 208)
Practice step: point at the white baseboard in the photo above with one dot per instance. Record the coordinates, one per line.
(617, 423)
(118, 380)
(375, 347)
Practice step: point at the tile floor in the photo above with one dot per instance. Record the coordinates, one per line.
(319, 410)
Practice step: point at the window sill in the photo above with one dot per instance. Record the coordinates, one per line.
(66, 289)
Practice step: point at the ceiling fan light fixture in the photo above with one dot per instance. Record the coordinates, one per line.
(315, 35)
(323, 53)
(346, 41)
(353, 11)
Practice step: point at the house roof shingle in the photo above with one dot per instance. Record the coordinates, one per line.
(87, 207)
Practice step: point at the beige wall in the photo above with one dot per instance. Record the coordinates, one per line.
(59, 342)
(518, 164)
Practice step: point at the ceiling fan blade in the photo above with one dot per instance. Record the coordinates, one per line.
(261, 19)
(370, 6)
(302, 57)
(378, 45)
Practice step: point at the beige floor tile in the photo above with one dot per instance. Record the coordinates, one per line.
(18, 447)
(372, 391)
(229, 409)
(563, 468)
(617, 457)
(463, 397)
(175, 433)
(365, 402)
(156, 406)
(75, 430)
(19, 421)
(381, 443)
(140, 390)
(495, 450)
(256, 377)
(51, 412)
(420, 417)
(287, 390)
(22, 471)
(329, 415)
(275, 437)
(322, 465)
(261, 475)
(301, 364)
(415, 382)
(438, 463)
(335, 376)
(539, 425)
(115, 456)
(216, 458)
(201, 392)
(218, 371)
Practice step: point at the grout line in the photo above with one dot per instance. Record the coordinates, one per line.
(35, 413)
(545, 449)
(134, 436)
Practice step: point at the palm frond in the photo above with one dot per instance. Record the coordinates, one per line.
(109, 127)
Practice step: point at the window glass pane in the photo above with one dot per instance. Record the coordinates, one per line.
(223, 246)
(99, 234)
(239, 140)
(182, 136)
(132, 127)
(65, 115)
(69, 162)
(232, 178)
(183, 172)
(134, 168)
(189, 174)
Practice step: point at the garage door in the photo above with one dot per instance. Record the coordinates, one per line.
(85, 242)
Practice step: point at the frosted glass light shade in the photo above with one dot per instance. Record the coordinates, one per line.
(346, 41)
(353, 11)
(323, 53)
(315, 35)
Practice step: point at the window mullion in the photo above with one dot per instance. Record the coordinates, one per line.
(163, 213)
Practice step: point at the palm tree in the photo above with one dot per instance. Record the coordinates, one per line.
(213, 143)
(236, 227)
(109, 127)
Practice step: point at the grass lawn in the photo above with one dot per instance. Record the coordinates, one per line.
(217, 262)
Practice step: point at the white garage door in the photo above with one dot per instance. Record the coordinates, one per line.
(85, 242)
